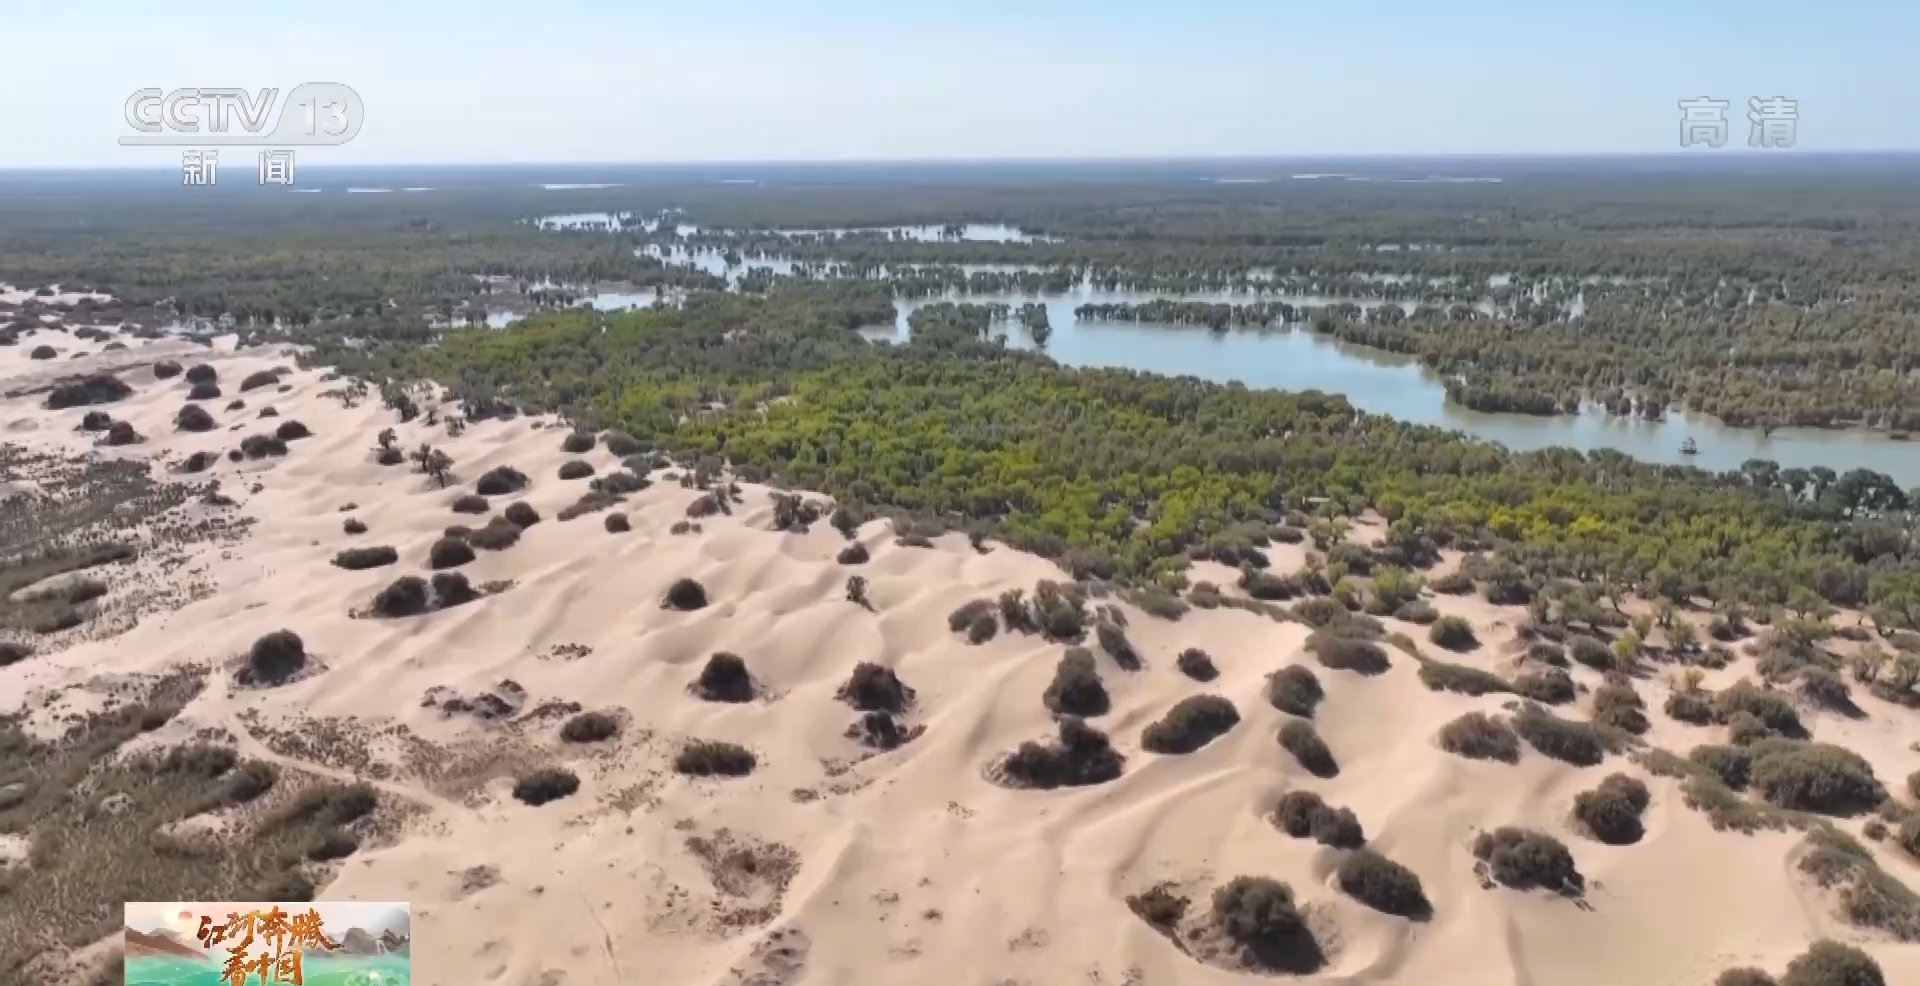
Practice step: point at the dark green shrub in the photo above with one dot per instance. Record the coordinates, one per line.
(1160, 604)
(449, 553)
(1907, 835)
(1384, 885)
(1114, 641)
(470, 503)
(12, 652)
(619, 483)
(262, 446)
(1815, 777)
(193, 417)
(1295, 812)
(1341, 653)
(521, 514)
(710, 758)
(452, 589)
(1551, 686)
(1589, 652)
(724, 679)
(544, 785)
(575, 469)
(1524, 859)
(1418, 612)
(274, 658)
(622, 444)
(1083, 756)
(1256, 910)
(1192, 723)
(1770, 707)
(499, 534)
(964, 616)
(1548, 653)
(1745, 728)
(577, 443)
(1825, 688)
(1451, 584)
(1695, 708)
(199, 462)
(1611, 812)
(360, 559)
(407, 596)
(853, 554)
(590, 727)
(249, 781)
(618, 524)
(94, 388)
(1478, 736)
(1194, 663)
(1461, 679)
(324, 804)
(1298, 737)
(1453, 633)
(1829, 963)
(166, 369)
(1732, 764)
(353, 525)
(1579, 743)
(685, 595)
(875, 688)
(1294, 690)
(1619, 706)
(330, 844)
(500, 481)
(1076, 688)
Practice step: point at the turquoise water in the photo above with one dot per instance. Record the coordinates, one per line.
(357, 970)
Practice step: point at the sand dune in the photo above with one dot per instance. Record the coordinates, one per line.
(908, 866)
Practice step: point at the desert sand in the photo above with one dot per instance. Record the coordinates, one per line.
(910, 866)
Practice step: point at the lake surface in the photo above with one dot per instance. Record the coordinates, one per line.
(1373, 380)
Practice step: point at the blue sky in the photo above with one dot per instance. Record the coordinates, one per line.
(598, 80)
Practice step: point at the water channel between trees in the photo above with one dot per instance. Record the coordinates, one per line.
(1295, 358)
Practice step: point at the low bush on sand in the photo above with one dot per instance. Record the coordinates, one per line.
(1076, 688)
(1082, 756)
(1298, 737)
(449, 553)
(875, 688)
(1295, 691)
(685, 595)
(1305, 815)
(1478, 736)
(724, 678)
(545, 784)
(1192, 723)
(1382, 884)
(711, 758)
(274, 658)
(1611, 812)
(1523, 859)
(360, 559)
(590, 727)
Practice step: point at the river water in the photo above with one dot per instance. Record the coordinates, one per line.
(1373, 380)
